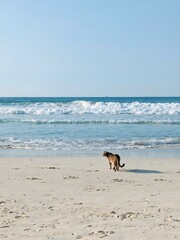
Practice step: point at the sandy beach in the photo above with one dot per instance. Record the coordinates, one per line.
(81, 198)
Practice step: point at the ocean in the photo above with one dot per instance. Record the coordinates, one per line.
(83, 125)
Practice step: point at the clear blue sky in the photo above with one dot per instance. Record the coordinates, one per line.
(89, 48)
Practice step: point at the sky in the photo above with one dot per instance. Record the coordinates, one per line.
(64, 48)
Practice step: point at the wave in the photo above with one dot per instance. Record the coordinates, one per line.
(51, 121)
(84, 144)
(92, 121)
(88, 107)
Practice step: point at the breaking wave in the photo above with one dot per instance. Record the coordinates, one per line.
(84, 144)
(91, 121)
(88, 107)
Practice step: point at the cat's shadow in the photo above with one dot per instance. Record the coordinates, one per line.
(145, 171)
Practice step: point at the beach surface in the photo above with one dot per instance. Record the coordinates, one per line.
(81, 198)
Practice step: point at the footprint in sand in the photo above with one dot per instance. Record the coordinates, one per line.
(71, 177)
(33, 178)
(159, 180)
(122, 180)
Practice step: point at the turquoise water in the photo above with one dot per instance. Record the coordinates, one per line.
(89, 124)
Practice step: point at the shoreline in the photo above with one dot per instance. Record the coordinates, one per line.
(132, 153)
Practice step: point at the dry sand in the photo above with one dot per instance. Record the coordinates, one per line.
(81, 198)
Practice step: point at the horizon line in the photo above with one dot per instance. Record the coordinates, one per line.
(90, 96)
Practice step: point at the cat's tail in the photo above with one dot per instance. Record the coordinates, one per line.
(122, 165)
(119, 161)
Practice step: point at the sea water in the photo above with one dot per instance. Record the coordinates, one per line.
(88, 125)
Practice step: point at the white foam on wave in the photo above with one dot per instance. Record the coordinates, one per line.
(87, 107)
(94, 121)
(84, 144)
